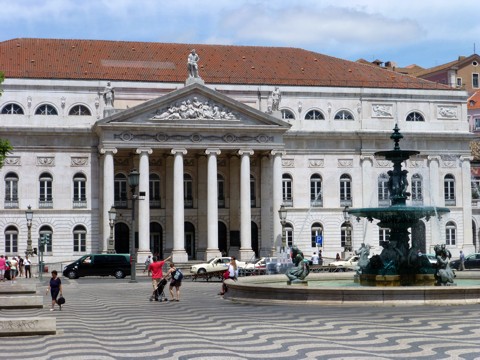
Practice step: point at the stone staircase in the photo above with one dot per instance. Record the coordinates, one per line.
(23, 296)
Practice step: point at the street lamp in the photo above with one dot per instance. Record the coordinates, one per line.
(348, 230)
(133, 180)
(282, 213)
(112, 215)
(29, 216)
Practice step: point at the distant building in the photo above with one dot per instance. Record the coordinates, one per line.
(216, 162)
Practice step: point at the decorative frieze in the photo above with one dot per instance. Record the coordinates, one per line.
(288, 163)
(383, 163)
(12, 161)
(194, 138)
(78, 161)
(45, 161)
(382, 110)
(447, 112)
(345, 163)
(316, 163)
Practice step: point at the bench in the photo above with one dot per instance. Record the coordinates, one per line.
(209, 275)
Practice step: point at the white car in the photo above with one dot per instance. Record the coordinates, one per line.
(214, 265)
(258, 264)
(350, 263)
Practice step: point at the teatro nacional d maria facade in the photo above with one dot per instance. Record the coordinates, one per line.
(219, 154)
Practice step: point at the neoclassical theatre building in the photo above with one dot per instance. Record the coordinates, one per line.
(220, 144)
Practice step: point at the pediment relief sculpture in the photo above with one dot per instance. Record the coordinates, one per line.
(195, 108)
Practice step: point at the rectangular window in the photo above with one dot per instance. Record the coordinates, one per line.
(459, 82)
(79, 242)
(475, 80)
(477, 123)
(11, 243)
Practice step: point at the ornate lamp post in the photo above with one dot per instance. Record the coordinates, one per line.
(112, 215)
(348, 230)
(29, 216)
(133, 181)
(282, 213)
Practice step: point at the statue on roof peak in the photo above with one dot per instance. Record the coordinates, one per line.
(192, 64)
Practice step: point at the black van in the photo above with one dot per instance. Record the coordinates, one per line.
(117, 265)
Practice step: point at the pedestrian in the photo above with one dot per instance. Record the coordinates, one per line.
(175, 282)
(148, 261)
(337, 258)
(315, 259)
(3, 266)
(13, 269)
(231, 273)
(20, 266)
(156, 269)
(462, 261)
(27, 263)
(320, 257)
(55, 288)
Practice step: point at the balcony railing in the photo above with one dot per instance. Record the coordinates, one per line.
(188, 203)
(121, 204)
(155, 203)
(79, 204)
(450, 202)
(316, 203)
(221, 203)
(346, 202)
(45, 204)
(288, 202)
(11, 203)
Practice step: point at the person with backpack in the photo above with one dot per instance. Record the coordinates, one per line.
(176, 277)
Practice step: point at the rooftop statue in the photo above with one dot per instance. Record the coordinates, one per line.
(108, 95)
(192, 64)
(276, 97)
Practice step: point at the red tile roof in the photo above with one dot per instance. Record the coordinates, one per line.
(473, 101)
(164, 62)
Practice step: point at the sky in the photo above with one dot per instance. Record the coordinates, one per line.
(422, 32)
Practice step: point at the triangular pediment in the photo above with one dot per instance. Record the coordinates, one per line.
(195, 106)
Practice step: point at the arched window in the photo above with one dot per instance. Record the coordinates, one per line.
(345, 190)
(120, 191)
(11, 240)
(79, 239)
(314, 115)
(316, 199)
(346, 236)
(221, 191)
(46, 233)
(46, 109)
(415, 116)
(287, 115)
(449, 190)
(79, 191)
(287, 183)
(12, 109)
(45, 199)
(450, 233)
(383, 193)
(154, 191)
(187, 191)
(316, 234)
(79, 110)
(11, 191)
(253, 192)
(417, 189)
(344, 115)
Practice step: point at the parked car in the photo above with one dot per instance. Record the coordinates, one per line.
(277, 266)
(257, 264)
(117, 265)
(214, 264)
(350, 263)
(472, 261)
(432, 258)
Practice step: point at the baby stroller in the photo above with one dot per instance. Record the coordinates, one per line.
(158, 293)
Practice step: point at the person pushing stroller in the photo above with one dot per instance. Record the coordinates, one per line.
(156, 269)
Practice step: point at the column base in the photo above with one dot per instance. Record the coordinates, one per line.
(179, 256)
(247, 255)
(211, 253)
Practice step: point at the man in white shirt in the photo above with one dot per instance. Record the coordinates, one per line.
(315, 259)
(27, 263)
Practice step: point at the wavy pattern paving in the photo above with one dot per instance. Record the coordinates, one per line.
(108, 319)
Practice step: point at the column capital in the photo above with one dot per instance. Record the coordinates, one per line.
(177, 151)
(367, 158)
(105, 149)
(213, 151)
(278, 152)
(434, 158)
(140, 150)
(466, 158)
(245, 152)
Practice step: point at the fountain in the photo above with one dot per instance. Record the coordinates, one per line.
(382, 277)
(398, 264)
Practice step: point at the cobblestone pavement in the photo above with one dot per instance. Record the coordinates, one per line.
(113, 319)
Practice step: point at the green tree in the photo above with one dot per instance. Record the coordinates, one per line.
(5, 147)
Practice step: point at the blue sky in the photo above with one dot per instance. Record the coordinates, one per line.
(423, 32)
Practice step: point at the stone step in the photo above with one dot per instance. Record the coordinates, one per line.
(7, 289)
(21, 302)
(27, 326)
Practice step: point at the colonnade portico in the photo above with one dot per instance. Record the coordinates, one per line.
(177, 224)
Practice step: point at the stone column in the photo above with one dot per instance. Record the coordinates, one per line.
(108, 193)
(434, 191)
(468, 245)
(276, 200)
(246, 251)
(178, 253)
(212, 204)
(143, 205)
